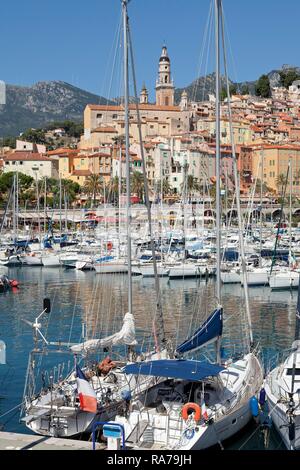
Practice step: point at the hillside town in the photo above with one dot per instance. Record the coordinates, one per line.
(178, 143)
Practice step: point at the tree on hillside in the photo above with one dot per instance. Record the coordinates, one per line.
(232, 89)
(36, 136)
(245, 90)
(223, 94)
(72, 129)
(262, 87)
(288, 77)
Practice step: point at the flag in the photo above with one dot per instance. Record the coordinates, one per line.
(87, 396)
(204, 411)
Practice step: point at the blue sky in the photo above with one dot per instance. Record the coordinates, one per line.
(74, 40)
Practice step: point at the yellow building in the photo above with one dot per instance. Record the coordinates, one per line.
(275, 160)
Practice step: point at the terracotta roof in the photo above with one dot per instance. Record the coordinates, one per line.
(81, 173)
(62, 151)
(26, 156)
(142, 107)
(108, 129)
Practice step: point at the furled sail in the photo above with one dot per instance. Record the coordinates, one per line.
(210, 330)
(125, 336)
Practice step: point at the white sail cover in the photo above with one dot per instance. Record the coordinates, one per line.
(125, 336)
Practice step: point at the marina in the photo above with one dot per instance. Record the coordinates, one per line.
(143, 311)
(273, 319)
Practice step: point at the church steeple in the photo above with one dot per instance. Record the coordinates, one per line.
(164, 84)
(144, 95)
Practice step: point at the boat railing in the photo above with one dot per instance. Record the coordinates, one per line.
(274, 361)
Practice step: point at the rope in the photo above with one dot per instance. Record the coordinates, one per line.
(12, 409)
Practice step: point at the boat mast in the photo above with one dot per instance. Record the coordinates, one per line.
(290, 215)
(218, 160)
(126, 118)
(218, 189)
(261, 198)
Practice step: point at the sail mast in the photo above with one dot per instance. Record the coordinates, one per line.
(218, 189)
(218, 192)
(126, 118)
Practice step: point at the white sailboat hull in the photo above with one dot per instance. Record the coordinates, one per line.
(32, 260)
(51, 261)
(148, 271)
(229, 415)
(230, 277)
(257, 277)
(111, 268)
(183, 270)
(284, 280)
(279, 419)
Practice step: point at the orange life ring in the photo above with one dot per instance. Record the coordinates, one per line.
(191, 406)
(109, 245)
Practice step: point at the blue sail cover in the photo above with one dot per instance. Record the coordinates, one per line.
(175, 368)
(211, 329)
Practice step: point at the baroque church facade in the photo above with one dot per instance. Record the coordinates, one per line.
(104, 123)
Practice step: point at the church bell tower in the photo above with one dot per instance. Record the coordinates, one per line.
(164, 85)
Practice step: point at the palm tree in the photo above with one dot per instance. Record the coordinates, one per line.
(137, 184)
(164, 187)
(192, 185)
(93, 185)
(113, 188)
(280, 182)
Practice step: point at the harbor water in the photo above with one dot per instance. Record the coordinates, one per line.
(98, 303)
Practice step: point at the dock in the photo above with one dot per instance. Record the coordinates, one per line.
(17, 441)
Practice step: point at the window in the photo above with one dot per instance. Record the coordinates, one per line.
(99, 116)
(114, 116)
(151, 127)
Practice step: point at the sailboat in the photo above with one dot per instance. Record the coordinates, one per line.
(197, 404)
(58, 410)
(283, 391)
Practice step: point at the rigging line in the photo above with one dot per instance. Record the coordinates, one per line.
(226, 30)
(204, 40)
(209, 45)
(237, 184)
(73, 315)
(159, 312)
(12, 409)
(115, 46)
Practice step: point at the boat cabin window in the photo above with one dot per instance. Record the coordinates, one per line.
(290, 371)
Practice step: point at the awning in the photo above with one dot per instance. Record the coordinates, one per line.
(175, 368)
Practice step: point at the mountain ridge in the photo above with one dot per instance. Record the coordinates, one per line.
(37, 105)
